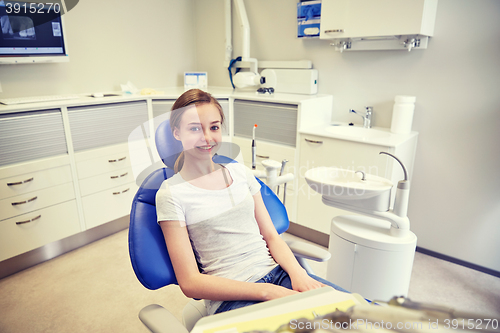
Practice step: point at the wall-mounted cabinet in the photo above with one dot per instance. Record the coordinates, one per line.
(381, 24)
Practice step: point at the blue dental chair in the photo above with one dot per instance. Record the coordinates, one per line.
(148, 251)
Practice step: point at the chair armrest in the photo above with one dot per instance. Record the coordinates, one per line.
(308, 251)
(192, 312)
(159, 320)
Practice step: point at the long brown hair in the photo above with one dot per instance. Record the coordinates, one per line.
(190, 97)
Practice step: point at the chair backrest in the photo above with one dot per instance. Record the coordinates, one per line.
(147, 248)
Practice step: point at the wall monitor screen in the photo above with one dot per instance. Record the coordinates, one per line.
(32, 32)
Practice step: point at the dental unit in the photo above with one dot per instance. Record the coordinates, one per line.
(376, 248)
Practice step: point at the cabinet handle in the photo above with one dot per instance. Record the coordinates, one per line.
(114, 177)
(28, 221)
(333, 30)
(117, 160)
(262, 156)
(23, 202)
(21, 182)
(313, 141)
(116, 193)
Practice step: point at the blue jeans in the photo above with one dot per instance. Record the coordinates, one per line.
(278, 277)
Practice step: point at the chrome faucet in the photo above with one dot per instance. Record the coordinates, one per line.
(367, 117)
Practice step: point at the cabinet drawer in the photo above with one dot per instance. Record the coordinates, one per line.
(106, 124)
(277, 122)
(112, 162)
(107, 151)
(108, 205)
(34, 181)
(38, 228)
(316, 151)
(32, 201)
(106, 181)
(266, 150)
(26, 136)
(108, 159)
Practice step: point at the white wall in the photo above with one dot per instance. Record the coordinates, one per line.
(455, 196)
(149, 43)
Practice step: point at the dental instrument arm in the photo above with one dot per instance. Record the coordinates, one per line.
(402, 192)
(283, 163)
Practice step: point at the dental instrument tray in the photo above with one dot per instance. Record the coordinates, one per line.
(400, 314)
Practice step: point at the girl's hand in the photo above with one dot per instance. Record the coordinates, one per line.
(305, 283)
(271, 291)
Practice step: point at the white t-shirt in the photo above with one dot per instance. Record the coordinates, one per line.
(221, 224)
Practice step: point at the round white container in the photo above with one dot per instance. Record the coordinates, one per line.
(402, 114)
(366, 259)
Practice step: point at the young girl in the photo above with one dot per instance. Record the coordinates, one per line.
(218, 232)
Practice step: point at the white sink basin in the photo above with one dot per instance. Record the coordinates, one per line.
(359, 132)
(346, 187)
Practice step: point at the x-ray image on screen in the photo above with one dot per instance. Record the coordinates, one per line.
(17, 27)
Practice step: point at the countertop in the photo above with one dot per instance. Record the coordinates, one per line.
(390, 140)
(166, 93)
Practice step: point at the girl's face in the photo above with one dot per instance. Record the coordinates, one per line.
(200, 131)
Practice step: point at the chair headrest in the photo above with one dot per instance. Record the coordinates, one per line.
(168, 147)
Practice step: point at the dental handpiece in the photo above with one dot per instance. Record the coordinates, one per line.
(254, 152)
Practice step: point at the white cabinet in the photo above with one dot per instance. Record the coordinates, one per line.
(354, 20)
(368, 18)
(100, 135)
(317, 151)
(37, 194)
(107, 183)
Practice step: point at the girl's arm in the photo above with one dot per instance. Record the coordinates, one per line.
(280, 251)
(196, 285)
